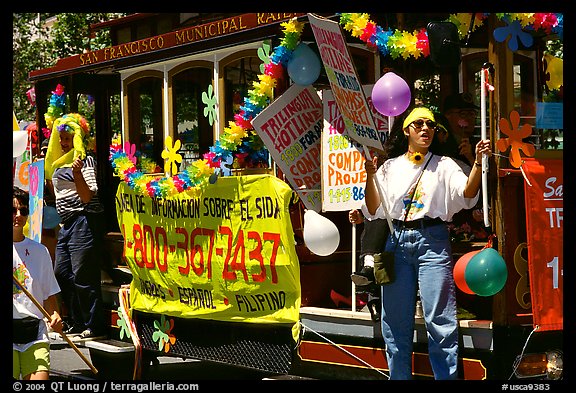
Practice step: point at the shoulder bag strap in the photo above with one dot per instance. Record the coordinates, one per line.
(412, 196)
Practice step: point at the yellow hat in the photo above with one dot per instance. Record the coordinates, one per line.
(418, 113)
(55, 156)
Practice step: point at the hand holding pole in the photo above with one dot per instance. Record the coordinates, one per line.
(380, 193)
(45, 313)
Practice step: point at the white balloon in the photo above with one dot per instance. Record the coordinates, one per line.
(320, 234)
(19, 143)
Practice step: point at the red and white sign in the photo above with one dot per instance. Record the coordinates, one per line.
(545, 227)
(290, 128)
(344, 82)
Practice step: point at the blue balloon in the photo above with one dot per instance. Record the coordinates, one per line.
(304, 66)
(486, 273)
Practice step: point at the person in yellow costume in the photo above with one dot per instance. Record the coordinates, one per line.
(72, 174)
(62, 156)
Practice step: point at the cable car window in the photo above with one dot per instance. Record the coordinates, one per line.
(144, 110)
(191, 127)
(238, 76)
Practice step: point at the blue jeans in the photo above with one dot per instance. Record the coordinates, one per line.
(77, 269)
(423, 257)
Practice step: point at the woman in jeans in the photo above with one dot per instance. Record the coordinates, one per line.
(423, 258)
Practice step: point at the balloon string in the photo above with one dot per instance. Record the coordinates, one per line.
(489, 242)
(380, 193)
(524, 175)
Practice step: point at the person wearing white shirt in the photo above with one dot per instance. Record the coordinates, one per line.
(423, 258)
(32, 266)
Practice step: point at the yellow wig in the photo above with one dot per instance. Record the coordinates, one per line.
(75, 124)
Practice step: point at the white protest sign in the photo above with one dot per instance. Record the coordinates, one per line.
(344, 82)
(343, 174)
(291, 128)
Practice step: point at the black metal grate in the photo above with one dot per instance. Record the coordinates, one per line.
(262, 347)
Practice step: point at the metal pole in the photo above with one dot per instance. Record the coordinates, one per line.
(483, 136)
(353, 266)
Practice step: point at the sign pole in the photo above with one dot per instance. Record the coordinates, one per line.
(483, 136)
(353, 266)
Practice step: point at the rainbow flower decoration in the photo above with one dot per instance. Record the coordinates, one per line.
(415, 44)
(238, 141)
(56, 107)
(163, 334)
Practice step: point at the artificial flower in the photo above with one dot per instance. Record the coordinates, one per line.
(170, 154)
(515, 140)
(416, 158)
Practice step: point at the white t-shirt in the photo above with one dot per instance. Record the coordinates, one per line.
(440, 191)
(32, 266)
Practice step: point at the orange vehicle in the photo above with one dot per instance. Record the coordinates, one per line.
(153, 85)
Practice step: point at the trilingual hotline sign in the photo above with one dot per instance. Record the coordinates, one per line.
(344, 82)
(291, 128)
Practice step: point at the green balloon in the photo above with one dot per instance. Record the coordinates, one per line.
(486, 273)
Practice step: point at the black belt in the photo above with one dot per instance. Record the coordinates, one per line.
(419, 223)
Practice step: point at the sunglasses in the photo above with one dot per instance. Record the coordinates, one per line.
(418, 124)
(23, 210)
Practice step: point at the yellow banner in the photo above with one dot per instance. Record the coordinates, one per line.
(226, 254)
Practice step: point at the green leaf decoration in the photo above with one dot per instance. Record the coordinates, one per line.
(264, 55)
(160, 335)
(123, 325)
(210, 100)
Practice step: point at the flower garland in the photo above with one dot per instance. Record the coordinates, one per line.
(238, 139)
(405, 44)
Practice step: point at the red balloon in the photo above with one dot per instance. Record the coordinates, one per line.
(460, 269)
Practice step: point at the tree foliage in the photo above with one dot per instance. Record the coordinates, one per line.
(31, 50)
(36, 46)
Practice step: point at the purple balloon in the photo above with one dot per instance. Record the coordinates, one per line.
(391, 95)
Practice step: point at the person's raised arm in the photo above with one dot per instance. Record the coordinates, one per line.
(372, 197)
(475, 176)
(84, 192)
